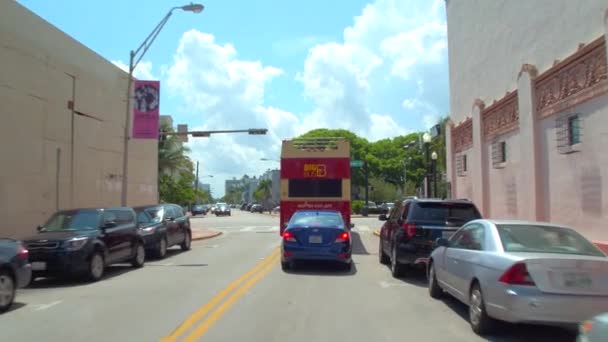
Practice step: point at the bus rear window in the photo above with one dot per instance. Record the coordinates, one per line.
(315, 188)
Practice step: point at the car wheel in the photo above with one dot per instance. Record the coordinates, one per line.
(481, 323)
(396, 267)
(140, 256)
(384, 260)
(96, 266)
(285, 266)
(7, 290)
(161, 252)
(434, 289)
(187, 244)
(347, 267)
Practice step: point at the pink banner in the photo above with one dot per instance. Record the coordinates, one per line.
(146, 99)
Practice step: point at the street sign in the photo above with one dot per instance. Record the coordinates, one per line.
(182, 129)
(356, 163)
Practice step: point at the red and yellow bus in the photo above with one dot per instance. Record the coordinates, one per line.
(315, 174)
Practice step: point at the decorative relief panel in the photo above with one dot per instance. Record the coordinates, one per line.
(501, 117)
(462, 136)
(580, 77)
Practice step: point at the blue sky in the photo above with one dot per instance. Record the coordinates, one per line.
(377, 68)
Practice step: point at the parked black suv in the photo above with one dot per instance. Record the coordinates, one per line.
(84, 242)
(163, 226)
(408, 235)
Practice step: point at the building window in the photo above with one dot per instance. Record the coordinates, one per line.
(499, 154)
(569, 131)
(461, 165)
(574, 130)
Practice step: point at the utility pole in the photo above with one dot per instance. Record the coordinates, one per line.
(196, 182)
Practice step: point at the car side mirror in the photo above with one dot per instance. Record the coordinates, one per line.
(171, 219)
(285, 224)
(383, 217)
(441, 242)
(352, 225)
(39, 228)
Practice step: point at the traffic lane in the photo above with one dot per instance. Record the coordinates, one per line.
(238, 220)
(134, 305)
(320, 303)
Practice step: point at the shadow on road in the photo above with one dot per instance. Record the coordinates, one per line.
(58, 282)
(506, 332)
(414, 276)
(321, 268)
(16, 306)
(358, 246)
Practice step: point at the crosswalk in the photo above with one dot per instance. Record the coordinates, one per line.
(274, 229)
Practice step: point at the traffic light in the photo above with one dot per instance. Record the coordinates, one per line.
(257, 131)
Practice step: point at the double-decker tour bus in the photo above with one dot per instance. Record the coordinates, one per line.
(315, 174)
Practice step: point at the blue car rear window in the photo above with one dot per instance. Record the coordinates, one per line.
(317, 219)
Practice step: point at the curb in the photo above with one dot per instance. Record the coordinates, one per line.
(206, 237)
(377, 232)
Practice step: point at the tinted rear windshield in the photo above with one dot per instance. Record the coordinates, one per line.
(459, 213)
(544, 239)
(315, 188)
(317, 220)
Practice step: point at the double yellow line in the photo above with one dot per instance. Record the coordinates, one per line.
(249, 279)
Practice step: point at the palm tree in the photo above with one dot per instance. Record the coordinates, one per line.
(265, 190)
(172, 154)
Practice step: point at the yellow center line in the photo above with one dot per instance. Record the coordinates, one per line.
(196, 316)
(214, 316)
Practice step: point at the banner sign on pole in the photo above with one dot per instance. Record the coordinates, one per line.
(146, 97)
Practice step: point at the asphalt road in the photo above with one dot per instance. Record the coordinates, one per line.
(230, 288)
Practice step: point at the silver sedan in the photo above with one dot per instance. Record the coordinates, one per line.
(520, 272)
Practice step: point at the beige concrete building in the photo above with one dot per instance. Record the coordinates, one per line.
(62, 111)
(529, 109)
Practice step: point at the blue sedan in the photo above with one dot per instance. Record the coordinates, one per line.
(316, 235)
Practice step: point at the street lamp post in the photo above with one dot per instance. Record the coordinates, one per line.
(434, 170)
(134, 60)
(426, 139)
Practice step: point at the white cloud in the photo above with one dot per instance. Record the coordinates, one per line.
(401, 39)
(143, 71)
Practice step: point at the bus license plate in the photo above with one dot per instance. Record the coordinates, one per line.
(315, 239)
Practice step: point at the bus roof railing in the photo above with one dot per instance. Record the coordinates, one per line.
(322, 143)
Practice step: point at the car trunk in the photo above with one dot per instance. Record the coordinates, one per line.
(316, 236)
(431, 230)
(568, 274)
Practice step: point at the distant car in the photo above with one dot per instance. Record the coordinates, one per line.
(407, 236)
(84, 242)
(594, 329)
(163, 226)
(386, 207)
(276, 209)
(520, 272)
(257, 208)
(316, 235)
(15, 271)
(222, 210)
(199, 209)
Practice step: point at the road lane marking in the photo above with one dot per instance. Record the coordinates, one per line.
(196, 316)
(47, 306)
(219, 312)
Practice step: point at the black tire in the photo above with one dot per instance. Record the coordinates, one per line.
(186, 245)
(8, 289)
(97, 266)
(435, 291)
(347, 267)
(383, 258)
(161, 250)
(481, 323)
(285, 266)
(397, 269)
(140, 256)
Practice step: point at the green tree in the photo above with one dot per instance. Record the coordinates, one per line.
(263, 193)
(172, 154)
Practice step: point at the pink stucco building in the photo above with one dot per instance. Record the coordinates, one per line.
(528, 136)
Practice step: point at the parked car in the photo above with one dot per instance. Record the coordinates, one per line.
(84, 242)
(316, 235)
(199, 209)
(257, 208)
(594, 329)
(163, 226)
(276, 209)
(520, 272)
(222, 210)
(15, 271)
(244, 206)
(386, 207)
(407, 236)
